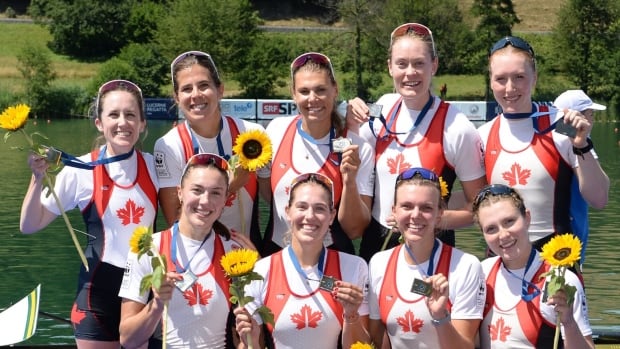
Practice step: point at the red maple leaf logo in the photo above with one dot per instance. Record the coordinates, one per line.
(197, 295)
(499, 330)
(306, 317)
(409, 323)
(231, 197)
(516, 175)
(77, 315)
(131, 213)
(398, 164)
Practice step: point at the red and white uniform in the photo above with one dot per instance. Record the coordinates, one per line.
(445, 142)
(305, 316)
(510, 322)
(404, 313)
(124, 198)
(174, 149)
(539, 166)
(197, 317)
(294, 155)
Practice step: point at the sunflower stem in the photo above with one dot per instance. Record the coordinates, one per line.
(241, 213)
(67, 222)
(387, 238)
(48, 180)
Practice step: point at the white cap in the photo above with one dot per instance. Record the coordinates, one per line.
(576, 100)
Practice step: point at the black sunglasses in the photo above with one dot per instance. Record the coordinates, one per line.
(492, 190)
(514, 41)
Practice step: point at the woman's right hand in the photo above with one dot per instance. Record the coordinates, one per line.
(245, 325)
(357, 113)
(38, 164)
(163, 295)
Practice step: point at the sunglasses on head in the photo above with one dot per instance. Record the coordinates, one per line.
(315, 57)
(184, 55)
(416, 28)
(417, 172)
(115, 85)
(514, 42)
(316, 177)
(206, 159)
(492, 190)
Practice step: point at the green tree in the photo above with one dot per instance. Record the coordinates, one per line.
(139, 63)
(35, 65)
(83, 28)
(496, 19)
(587, 45)
(226, 29)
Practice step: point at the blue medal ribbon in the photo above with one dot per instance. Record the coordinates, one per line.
(218, 139)
(388, 126)
(72, 161)
(525, 285)
(300, 271)
(173, 249)
(431, 261)
(309, 138)
(534, 116)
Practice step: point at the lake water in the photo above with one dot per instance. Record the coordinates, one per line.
(49, 257)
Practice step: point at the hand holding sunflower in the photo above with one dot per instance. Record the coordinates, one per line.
(561, 252)
(14, 119)
(141, 243)
(238, 265)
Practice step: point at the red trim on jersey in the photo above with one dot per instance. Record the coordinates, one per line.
(283, 160)
(430, 148)
(218, 252)
(279, 290)
(528, 313)
(103, 185)
(188, 150)
(388, 287)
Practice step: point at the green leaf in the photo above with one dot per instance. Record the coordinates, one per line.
(234, 299)
(570, 293)
(158, 277)
(7, 135)
(146, 283)
(266, 314)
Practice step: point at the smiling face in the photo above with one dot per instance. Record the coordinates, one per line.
(197, 93)
(513, 79)
(203, 194)
(314, 93)
(417, 210)
(505, 229)
(120, 121)
(309, 213)
(412, 67)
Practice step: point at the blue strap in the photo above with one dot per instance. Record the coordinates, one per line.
(72, 161)
(297, 266)
(534, 115)
(218, 139)
(431, 261)
(173, 249)
(525, 284)
(309, 138)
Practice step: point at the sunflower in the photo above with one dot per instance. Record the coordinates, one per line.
(239, 262)
(444, 187)
(360, 345)
(253, 148)
(562, 250)
(14, 118)
(141, 240)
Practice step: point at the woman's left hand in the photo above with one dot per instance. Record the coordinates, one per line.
(438, 300)
(349, 295)
(559, 301)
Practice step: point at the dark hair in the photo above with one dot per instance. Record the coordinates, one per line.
(218, 226)
(188, 61)
(311, 66)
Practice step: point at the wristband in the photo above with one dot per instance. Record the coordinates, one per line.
(442, 321)
(587, 148)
